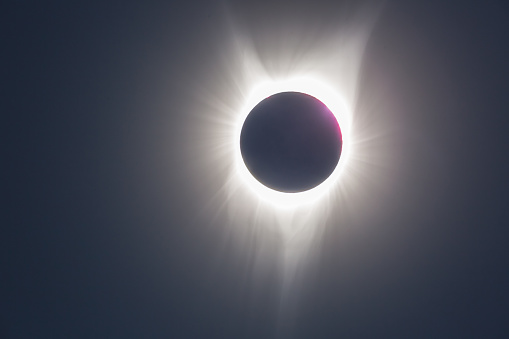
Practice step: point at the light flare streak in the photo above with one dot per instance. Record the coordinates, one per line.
(328, 69)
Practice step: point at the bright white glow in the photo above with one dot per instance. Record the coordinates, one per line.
(326, 69)
(336, 105)
(272, 227)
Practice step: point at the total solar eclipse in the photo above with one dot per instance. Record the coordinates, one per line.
(291, 142)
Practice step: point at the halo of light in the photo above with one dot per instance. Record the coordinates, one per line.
(336, 104)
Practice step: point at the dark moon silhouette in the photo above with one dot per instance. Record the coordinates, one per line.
(291, 142)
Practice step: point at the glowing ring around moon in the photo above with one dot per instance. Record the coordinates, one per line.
(336, 105)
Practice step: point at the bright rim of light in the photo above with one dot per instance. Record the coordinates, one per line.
(336, 105)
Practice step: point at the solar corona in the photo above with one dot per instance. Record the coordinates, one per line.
(292, 141)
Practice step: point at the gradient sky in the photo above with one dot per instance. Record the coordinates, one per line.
(106, 230)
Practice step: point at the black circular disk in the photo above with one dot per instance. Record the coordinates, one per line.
(291, 142)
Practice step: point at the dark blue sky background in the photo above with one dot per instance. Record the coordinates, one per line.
(99, 236)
